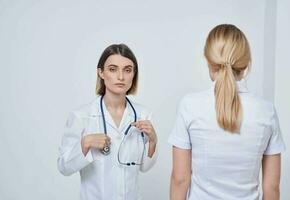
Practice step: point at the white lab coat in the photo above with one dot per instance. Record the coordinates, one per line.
(102, 177)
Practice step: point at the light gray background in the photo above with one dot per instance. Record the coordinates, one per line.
(48, 56)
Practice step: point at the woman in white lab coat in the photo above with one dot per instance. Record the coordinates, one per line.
(111, 139)
(222, 136)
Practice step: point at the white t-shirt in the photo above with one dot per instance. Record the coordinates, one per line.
(226, 165)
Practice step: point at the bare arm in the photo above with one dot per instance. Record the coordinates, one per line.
(181, 173)
(271, 169)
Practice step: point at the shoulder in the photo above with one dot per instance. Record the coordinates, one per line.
(195, 99)
(86, 109)
(263, 106)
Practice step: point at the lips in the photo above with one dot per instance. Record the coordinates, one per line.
(120, 84)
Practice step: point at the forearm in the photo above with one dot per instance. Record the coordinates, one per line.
(151, 149)
(271, 193)
(85, 145)
(271, 169)
(179, 188)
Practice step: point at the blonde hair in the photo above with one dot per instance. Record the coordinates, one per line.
(227, 52)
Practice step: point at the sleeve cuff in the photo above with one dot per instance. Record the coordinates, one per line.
(276, 150)
(80, 161)
(175, 141)
(149, 162)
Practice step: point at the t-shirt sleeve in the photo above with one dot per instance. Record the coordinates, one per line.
(179, 135)
(276, 144)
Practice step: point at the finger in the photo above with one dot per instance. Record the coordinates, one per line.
(98, 134)
(134, 123)
(99, 145)
(105, 137)
(104, 145)
(105, 142)
(146, 131)
(108, 141)
(108, 138)
(144, 122)
(144, 126)
(137, 125)
(138, 122)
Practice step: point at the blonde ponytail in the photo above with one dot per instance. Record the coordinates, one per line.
(228, 106)
(228, 55)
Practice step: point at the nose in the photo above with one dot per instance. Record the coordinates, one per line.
(120, 75)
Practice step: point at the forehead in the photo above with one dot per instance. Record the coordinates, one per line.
(118, 60)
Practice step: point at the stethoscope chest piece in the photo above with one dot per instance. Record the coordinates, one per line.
(106, 150)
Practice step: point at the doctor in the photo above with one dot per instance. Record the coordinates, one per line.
(110, 139)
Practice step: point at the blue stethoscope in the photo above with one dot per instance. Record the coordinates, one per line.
(106, 149)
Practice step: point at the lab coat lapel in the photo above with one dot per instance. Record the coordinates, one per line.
(108, 118)
(127, 118)
(97, 113)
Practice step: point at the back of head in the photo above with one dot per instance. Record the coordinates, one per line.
(228, 56)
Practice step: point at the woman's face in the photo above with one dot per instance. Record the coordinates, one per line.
(118, 74)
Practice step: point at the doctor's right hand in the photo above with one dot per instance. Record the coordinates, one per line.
(97, 141)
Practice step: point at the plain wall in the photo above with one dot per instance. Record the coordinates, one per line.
(282, 94)
(49, 52)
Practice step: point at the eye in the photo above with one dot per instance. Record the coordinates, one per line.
(128, 70)
(112, 69)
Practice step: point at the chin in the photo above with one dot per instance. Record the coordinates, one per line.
(119, 91)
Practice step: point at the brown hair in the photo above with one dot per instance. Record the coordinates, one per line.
(125, 51)
(227, 52)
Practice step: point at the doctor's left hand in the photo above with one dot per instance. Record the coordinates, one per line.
(146, 127)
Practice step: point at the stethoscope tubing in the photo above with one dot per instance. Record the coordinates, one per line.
(125, 133)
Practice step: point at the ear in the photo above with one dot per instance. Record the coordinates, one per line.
(100, 73)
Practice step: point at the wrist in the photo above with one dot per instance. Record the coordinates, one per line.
(86, 142)
(152, 148)
(153, 142)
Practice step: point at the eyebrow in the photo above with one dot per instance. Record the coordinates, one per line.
(113, 65)
(128, 66)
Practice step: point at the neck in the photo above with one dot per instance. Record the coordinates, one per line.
(115, 101)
